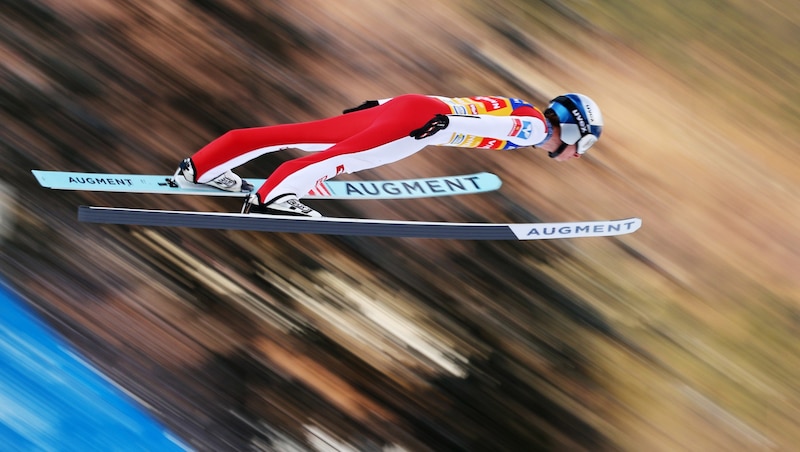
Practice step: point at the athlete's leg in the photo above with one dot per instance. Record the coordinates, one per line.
(306, 175)
(239, 146)
(386, 139)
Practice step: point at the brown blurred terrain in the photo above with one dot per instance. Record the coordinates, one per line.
(682, 336)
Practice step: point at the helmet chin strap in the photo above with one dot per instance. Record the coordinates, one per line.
(557, 152)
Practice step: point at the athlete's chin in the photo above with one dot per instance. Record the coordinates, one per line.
(568, 155)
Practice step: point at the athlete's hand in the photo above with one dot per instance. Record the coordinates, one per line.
(436, 124)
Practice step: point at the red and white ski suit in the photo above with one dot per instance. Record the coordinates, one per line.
(371, 137)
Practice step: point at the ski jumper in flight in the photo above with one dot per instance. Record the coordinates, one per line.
(385, 131)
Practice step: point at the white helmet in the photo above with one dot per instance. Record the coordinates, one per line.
(580, 120)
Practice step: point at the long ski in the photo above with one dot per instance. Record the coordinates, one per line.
(355, 226)
(386, 189)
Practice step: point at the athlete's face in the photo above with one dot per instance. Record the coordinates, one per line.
(552, 145)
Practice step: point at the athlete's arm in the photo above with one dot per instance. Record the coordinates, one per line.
(468, 130)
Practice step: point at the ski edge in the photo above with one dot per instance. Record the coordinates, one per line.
(464, 184)
(357, 226)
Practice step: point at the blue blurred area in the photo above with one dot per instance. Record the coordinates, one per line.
(50, 399)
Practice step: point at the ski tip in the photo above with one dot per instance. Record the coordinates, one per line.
(492, 179)
(633, 224)
(568, 230)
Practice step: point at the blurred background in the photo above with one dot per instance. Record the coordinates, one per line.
(682, 336)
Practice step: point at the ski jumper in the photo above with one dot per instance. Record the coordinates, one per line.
(377, 133)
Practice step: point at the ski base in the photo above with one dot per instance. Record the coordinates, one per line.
(356, 226)
(388, 189)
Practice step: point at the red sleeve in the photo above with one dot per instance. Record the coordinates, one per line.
(527, 110)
